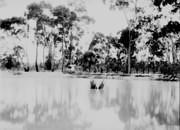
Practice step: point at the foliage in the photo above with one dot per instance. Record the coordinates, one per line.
(9, 62)
(64, 20)
(13, 60)
(48, 63)
(34, 11)
(64, 17)
(114, 65)
(108, 52)
(10, 25)
(88, 60)
(6, 24)
(170, 69)
(129, 37)
(163, 36)
(98, 38)
(161, 3)
(156, 47)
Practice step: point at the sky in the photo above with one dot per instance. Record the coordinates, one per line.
(108, 22)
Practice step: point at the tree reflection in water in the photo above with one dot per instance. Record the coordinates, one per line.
(125, 102)
(141, 106)
(14, 114)
(58, 118)
(46, 107)
(163, 107)
(97, 99)
(71, 105)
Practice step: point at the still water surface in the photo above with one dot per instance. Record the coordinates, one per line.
(45, 103)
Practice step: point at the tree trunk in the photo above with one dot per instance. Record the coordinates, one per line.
(129, 48)
(62, 69)
(53, 53)
(26, 52)
(70, 53)
(43, 56)
(36, 64)
(168, 54)
(51, 56)
(129, 58)
(70, 47)
(174, 53)
(37, 43)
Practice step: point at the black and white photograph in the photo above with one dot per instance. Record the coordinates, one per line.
(89, 64)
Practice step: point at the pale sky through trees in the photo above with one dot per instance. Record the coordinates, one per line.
(106, 21)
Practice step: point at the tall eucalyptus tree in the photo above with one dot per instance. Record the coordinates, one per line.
(35, 12)
(126, 6)
(64, 19)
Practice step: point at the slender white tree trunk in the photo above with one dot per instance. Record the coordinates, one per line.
(36, 60)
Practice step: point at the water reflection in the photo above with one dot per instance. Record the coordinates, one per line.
(97, 99)
(125, 103)
(57, 117)
(69, 104)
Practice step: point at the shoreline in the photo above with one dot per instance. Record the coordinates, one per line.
(117, 76)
